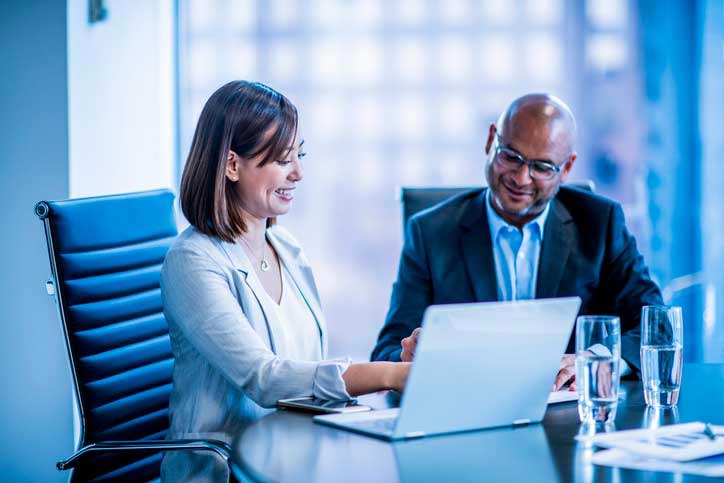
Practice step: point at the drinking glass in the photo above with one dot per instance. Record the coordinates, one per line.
(598, 354)
(661, 354)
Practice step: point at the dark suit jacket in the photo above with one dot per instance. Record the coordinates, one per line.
(587, 251)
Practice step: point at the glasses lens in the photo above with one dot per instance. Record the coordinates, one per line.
(509, 159)
(542, 170)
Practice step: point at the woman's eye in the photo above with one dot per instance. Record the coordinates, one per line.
(301, 155)
(283, 162)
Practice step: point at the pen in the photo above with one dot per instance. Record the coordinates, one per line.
(709, 432)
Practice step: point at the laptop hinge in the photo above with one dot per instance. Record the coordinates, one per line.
(521, 422)
(415, 434)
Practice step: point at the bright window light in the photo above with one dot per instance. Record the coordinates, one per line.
(454, 58)
(412, 117)
(543, 12)
(498, 12)
(606, 52)
(366, 13)
(243, 64)
(284, 61)
(410, 12)
(449, 173)
(368, 171)
(369, 116)
(326, 66)
(283, 13)
(325, 116)
(414, 167)
(455, 12)
(607, 14)
(241, 15)
(200, 16)
(411, 57)
(202, 62)
(365, 62)
(326, 13)
(496, 57)
(457, 118)
(543, 58)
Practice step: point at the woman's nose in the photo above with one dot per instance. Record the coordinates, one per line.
(297, 173)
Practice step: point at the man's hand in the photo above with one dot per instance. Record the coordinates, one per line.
(409, 344)
(566, 373)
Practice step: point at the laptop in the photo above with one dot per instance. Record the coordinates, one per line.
(477, 365)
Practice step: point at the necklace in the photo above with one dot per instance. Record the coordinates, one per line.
(263, 263)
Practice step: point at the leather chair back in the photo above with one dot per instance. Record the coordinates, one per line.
(106, 255)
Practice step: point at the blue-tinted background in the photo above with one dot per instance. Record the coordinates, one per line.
(401, 93)
(390, 94)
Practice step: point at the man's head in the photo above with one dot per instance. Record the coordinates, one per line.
(530, 153)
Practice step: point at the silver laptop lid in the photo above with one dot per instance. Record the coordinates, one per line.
(485, 364)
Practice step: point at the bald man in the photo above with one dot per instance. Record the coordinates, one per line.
(523, 237)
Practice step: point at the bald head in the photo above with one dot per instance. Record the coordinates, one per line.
(541, 117)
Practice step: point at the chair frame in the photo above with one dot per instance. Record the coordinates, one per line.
(43, 212)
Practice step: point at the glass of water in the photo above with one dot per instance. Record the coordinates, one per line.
(661, 354)
(598, 354)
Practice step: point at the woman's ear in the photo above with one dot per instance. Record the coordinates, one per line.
(232, 166)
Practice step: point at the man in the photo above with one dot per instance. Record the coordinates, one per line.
(523, 237)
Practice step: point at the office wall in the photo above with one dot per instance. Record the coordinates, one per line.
(35, 411)
(121, 97)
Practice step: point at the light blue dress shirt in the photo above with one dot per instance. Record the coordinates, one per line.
(516, 253)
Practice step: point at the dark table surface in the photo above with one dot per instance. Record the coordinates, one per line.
(287, 446)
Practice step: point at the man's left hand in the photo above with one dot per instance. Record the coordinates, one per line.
(566, 373)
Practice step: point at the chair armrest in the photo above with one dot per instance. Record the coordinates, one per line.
(218, 447)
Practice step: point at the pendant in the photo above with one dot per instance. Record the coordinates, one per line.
(264, 265)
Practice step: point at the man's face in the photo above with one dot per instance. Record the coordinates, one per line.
(518, 197)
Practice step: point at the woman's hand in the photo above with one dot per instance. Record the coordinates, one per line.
(367, 377)
(399, 372)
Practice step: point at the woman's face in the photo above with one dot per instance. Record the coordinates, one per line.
(267, 191)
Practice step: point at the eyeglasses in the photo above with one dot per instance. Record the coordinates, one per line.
(511, 160)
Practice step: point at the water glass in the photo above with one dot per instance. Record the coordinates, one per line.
(661, 354)
(598, 355)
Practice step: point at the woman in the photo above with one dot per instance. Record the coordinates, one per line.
(239, 296)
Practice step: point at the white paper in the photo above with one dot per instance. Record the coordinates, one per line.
(713, 466)
(677, 442)
(562, 396)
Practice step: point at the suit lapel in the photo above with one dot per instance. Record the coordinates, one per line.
(559, 233)
(477, 250)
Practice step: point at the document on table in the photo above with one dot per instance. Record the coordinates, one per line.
(712, 466)
(562, 396)
(679, 448)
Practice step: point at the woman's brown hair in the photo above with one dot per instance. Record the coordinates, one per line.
(235, 118)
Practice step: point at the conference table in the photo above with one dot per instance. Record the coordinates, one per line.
(287, 446)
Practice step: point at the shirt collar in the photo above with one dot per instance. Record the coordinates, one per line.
(497, 223)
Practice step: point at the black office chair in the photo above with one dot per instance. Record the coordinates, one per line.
(417, 199)
(106, 255)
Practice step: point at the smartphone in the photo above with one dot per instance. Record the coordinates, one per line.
(322, 406)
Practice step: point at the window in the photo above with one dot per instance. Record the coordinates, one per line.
(390, 94)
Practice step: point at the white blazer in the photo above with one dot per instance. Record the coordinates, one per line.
(230, 364)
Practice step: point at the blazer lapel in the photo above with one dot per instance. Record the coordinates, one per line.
(239, 259)
(477, 250)
(301, 274)
(555, 250)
